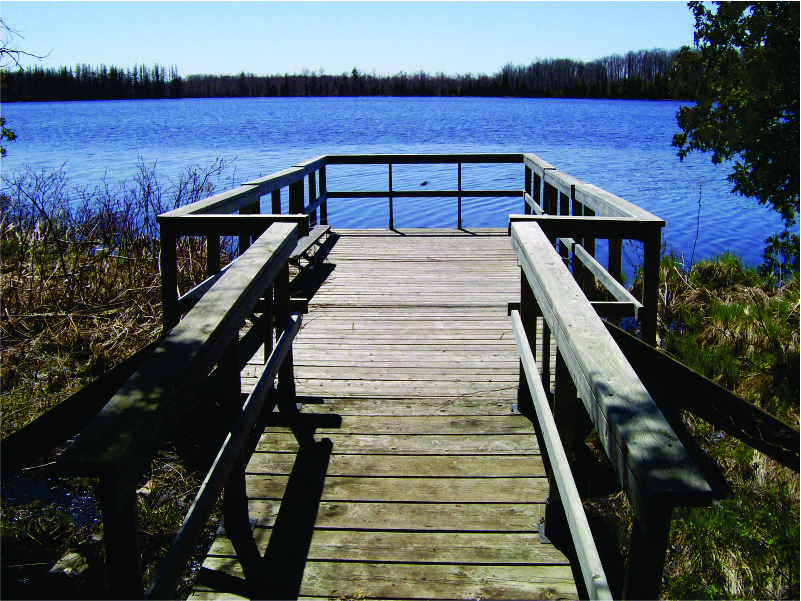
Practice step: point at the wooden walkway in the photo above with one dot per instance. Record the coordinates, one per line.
(422, 482)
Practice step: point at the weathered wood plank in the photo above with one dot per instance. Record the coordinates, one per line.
(430, 581)
(434, 424)
(409, 490)
(410, 444)
(459, 466)
(431, 547)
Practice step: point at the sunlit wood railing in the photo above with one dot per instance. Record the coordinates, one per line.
(593, 377)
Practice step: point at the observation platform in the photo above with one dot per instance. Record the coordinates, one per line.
(406, 473)
(422, 483)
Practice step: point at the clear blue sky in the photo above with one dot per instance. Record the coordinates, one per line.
(386, 37)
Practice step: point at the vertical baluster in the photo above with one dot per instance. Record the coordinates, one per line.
(312, 198)
(244, 239)
(275, 209)
(564, 209)
(391, 212)
(615, 263)
(212, 254)
(527, 189)
(537, 189)
(323, 192)
(296, 197)
(565, 415)
(578, 211)
(652, 248)
(236, 516)
(588, 279)
(459, 204)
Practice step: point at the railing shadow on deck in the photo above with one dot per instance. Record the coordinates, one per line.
(140, 402)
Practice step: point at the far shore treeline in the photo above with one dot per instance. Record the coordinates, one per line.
(635, 75)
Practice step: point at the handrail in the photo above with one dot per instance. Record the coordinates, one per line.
(119, 443)
(651, 464)
(590, 562)
(166, 579)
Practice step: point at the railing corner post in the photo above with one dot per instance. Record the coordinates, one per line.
(168, 265)
(652, 249)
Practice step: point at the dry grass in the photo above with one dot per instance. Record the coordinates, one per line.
(80, 292)
(741, 330)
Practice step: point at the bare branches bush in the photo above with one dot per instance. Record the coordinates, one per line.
(80, 283)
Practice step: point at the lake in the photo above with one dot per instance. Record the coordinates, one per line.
(622, 146)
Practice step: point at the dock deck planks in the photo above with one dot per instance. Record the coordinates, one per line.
(431, 487)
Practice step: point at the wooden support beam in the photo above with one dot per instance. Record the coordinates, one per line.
(168, 266)
(585, 226)
(118, 505)
(669, 381)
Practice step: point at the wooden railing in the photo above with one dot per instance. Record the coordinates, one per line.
(200, 356)
(574, 212)
(651, 464)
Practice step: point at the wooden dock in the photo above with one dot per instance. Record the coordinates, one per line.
(422, 481)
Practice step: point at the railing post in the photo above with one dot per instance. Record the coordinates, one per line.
(276, 202)
(565, 401)
(212, 254)
(647, 550)
(459, 203)
(529, 311)
(323, 191)
(577, 210)
(391, 212)
(244, 239)
(588, 279)
(615, 262)
(564, 209)
(536, 191)
(527, 189)
(120, 538)
(652, 248)
(312, 198)
(236, 516)
(549, 199)
(168, 265)
(296, 197)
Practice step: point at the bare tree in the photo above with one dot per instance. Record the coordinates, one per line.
(9, 56)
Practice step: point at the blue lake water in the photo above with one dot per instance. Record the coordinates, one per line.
(622, 146)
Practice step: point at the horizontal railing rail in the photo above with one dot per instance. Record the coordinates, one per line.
(651, 464)
(199, 354)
